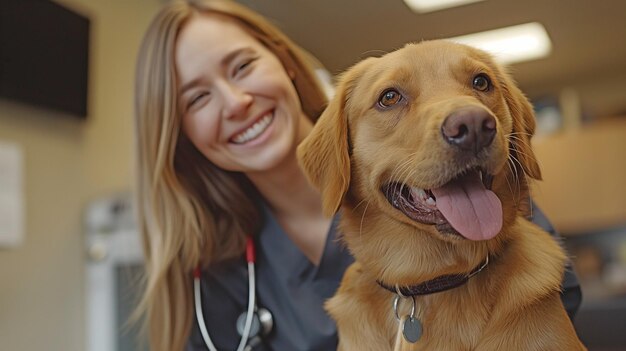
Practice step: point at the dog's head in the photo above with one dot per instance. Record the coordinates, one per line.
(435, 135)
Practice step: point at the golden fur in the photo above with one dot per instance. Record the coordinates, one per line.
(356, 147)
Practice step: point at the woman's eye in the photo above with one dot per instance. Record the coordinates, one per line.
(389, 98)
(481, 82)
(195, 99)
(243, 65)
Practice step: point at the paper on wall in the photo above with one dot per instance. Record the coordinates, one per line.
(11, 195)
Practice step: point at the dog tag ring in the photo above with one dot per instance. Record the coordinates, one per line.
(412, 329)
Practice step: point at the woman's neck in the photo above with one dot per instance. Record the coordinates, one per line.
(296, 205)
(287, 191)
(285, 187)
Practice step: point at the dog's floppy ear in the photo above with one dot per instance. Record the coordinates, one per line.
(523, 128)
(324, 154)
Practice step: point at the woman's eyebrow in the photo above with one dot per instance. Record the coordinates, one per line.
(189, 85)
(233, 54)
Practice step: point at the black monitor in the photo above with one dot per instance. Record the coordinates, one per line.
(44, 55)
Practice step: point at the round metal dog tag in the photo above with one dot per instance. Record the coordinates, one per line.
(412, 329)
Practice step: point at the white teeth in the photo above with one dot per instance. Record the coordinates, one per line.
(254, 131)
(421, 196)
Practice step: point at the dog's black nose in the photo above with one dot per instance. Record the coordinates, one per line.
(469, 128)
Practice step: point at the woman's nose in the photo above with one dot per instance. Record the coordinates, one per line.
(236, 101)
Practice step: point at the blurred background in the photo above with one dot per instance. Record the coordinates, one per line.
(69, 256)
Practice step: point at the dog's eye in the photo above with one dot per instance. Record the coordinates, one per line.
(481, 82)
(389, 98)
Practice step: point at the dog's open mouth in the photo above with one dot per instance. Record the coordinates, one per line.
(465, 205)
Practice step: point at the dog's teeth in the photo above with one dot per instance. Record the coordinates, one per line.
(431, 202)
(419, 194)
(423, 197)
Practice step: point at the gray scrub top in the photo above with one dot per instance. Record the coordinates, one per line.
(294, 290)
(288, 285)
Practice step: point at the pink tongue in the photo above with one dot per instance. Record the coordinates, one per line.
(475, 212)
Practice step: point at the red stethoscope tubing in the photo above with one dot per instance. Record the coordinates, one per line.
(250, 250)
(250, 258)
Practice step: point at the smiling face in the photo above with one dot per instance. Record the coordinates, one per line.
(429, 133)
(240, 108)
(437, 139)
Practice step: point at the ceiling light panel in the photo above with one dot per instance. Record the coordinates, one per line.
(424, 6)
(508, 45)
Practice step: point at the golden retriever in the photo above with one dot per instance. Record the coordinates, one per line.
(427, 151)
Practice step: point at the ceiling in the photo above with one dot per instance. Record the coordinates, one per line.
(589, 38)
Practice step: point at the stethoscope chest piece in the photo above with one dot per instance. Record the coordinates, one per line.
(262, 322)
(252, 323)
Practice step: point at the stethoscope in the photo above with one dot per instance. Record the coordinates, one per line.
(251, 324)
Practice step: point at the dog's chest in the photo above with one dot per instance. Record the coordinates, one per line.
(445, 325)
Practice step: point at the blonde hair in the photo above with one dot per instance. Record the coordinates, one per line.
(190, 211)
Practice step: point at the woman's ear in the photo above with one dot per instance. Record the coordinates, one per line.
(523, 128)
(324, 154)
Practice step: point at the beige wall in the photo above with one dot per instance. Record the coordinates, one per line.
(583, 177)
(68, 162)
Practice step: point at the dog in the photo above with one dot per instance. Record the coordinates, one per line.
(427, 152)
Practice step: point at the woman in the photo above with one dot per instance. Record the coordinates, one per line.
(223, 99)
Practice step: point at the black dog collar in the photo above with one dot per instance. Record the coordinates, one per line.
(439, 284)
